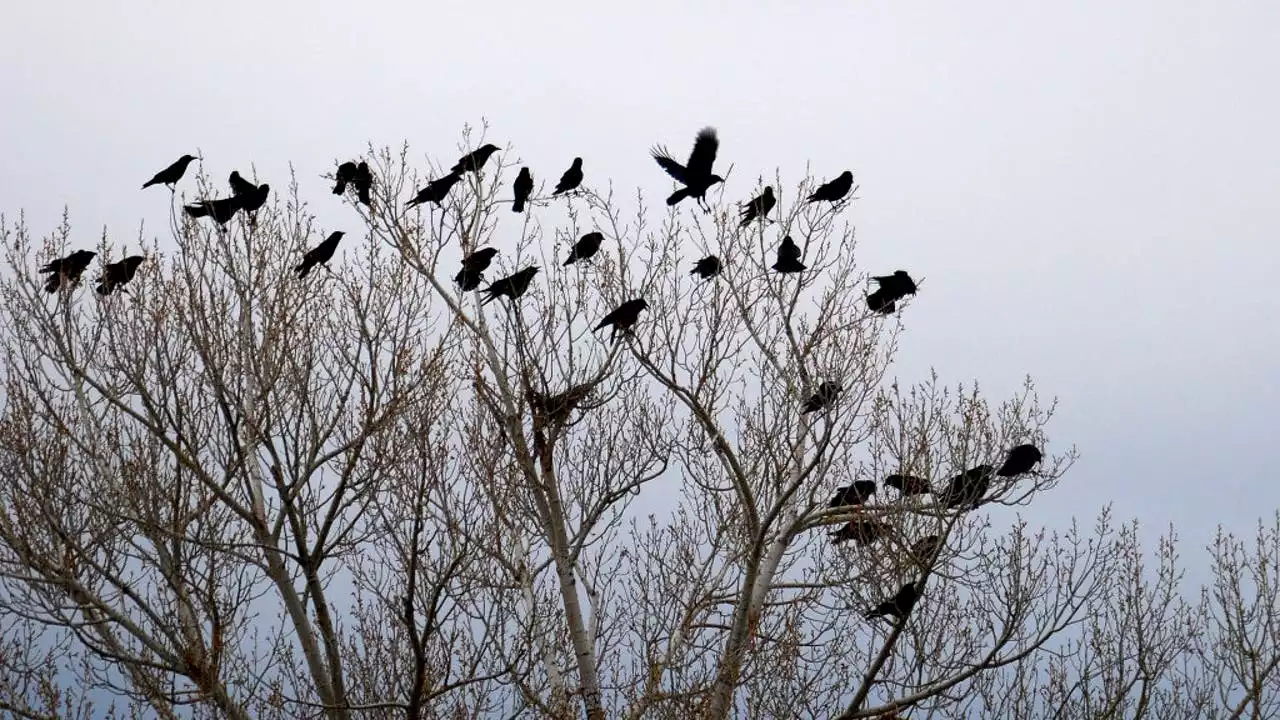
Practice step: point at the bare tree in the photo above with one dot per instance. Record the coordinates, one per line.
(239, 493)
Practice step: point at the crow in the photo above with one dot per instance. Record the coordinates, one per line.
(1020, 460)
(364, 184)
(967, 488)
(585, 248)
(862, 532)
(899, 605)
(436, 190)
(172, 174)
(251, 196)
(856, 494)
(523, 187)
(221, 210)
(320, 254)
(925, 550)
(512, 286)
(68, 268)
(881, 302)
(346, 174)
(571, 178)
(835, 190)
(896, 286)
(118, 274)
(758, 207)
(473, 267)
(695, 174)
(788, 257)
(706, 268)
(908, 484)
(623, 317)
(475, 159)
(826, 394)
(240, 186)
(558, 407)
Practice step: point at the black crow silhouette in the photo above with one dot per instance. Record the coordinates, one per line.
(571, 178)
(118, 274)
(862, 532)
(896, 286)
(436, 190)
(346, 174)
(758, 207)
(856, 494)
(586, 247)
(925, 550)
(695, 174)
(221, 210)
(172, 174)
(364, 184)
(475, 159)
(881, 302)
(788, 257)
(899, 605)
(623, 317)
(473, 267)
(968, 488)
(834, 190)
(523, 187)
(511, 286)
(706, 268)
(240, 186)
(825, 395)
(320, 254)
(68, 269)
(908, 484)
(1020, 460)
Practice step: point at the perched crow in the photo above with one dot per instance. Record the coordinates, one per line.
(512, 286)
(587, 246)
(881, 302)
(571, 178)
(220, 210)
(346, 174)
(908, 484)
(475, 159)
(118, 274)
(172, 174)
(967, 488)
(240, 186)
(523, 187)
(364, 183)
(436, 190)
(835, 190)
(758, 207)
(788, 257)
(856, 494)
(1020, 460)
(896, 286)
(695, 174)
(251, 196)
(557, 407)
(706, 268)
(899, 605)
(925, 550)
(623, 317)
(826, 394)
(473, 267)
(320, 254)
(862, 532)
(68, 268)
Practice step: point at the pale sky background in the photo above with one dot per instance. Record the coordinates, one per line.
(1088, 186)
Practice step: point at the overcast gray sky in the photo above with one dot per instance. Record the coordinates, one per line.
(1088, 186)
